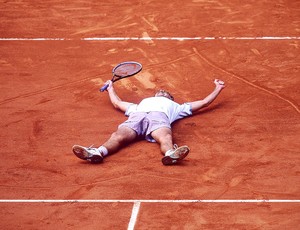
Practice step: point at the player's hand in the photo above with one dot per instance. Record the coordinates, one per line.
(219, 83)
(110, 84)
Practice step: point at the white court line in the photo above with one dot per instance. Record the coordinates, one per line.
(193, 38)
(137, 204)
(148, 201)
(155, 38)
(134, 214)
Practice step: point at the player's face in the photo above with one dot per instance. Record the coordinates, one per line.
(163, 93)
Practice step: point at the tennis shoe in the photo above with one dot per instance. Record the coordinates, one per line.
(175, 155)
(90, 154)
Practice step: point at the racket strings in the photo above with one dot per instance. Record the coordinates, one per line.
(127, 69)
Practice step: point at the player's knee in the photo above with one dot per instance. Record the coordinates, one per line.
(120, 137)
(166, 138)
(116, 136)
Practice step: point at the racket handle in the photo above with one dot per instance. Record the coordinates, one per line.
(104, 88)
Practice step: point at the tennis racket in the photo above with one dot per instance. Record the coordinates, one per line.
(123, 70)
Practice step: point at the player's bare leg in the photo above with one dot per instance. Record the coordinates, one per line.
(163, 136)
(119, 138)
(172, 153)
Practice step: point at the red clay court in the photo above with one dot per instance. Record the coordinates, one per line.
(244, 167)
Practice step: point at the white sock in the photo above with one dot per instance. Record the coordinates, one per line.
(169, 152)
(103, 150)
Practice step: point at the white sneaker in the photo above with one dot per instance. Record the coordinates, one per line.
(90, 154)
(176, 155)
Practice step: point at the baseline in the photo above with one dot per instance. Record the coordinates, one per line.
(154, 38)
(151, 201)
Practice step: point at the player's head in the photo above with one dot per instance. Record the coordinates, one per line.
(163, 93)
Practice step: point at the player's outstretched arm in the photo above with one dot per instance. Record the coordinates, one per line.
(197, 105)
(114, 98)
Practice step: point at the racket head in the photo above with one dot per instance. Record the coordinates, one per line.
(126, 69)
(123, 70)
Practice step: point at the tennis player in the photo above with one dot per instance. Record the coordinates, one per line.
(151, 119)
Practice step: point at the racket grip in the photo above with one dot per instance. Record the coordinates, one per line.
(104, 88)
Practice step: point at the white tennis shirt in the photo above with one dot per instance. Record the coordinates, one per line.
(173, 110)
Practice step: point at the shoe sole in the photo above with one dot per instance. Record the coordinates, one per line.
(177, 156)
(81, 153)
